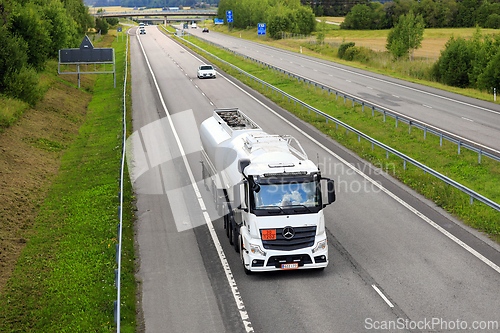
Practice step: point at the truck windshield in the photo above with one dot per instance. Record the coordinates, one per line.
(305, 194)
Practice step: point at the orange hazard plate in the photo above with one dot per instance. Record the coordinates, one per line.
(290, 266)
(269, 234)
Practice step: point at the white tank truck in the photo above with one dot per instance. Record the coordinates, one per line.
(268, 191)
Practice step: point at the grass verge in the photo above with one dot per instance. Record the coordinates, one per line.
(64, 278)
(482, 177)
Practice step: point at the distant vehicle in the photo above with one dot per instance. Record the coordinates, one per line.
(193, 26)
(206, 71)
(141, 24)
(205, 30)
(142, 31)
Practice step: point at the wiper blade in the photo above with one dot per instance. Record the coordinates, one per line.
(310, 211)
(272, 207)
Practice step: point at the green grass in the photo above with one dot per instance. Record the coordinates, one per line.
(10, 111)
(464, 168)
(64, 278)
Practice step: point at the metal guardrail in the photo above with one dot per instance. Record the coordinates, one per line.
(412, 122)
(472, 194)
(120, 208)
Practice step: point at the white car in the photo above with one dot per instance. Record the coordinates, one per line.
(206, 71)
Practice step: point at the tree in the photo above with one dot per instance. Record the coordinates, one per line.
(406, 36)
(360, 17)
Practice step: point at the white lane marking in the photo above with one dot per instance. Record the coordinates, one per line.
(382, 188)
(369, 88)
(467, 119)
(215, 238)
(383, 296)
(395, 96)
(427, 106)
(348, 80)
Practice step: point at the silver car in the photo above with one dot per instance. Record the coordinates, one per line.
(206, 72)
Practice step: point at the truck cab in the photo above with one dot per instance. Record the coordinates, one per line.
(270, 194)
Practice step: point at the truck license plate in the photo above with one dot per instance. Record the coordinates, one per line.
(290, 266)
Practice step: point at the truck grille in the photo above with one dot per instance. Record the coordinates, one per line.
(304, 237)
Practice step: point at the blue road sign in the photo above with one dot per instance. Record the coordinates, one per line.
(261, 28)
(229, 16)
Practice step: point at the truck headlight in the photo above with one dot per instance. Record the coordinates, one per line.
(320, 246)
(255, 249)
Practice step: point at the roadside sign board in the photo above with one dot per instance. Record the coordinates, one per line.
(261, 28)
(218, 21)
(229, 16)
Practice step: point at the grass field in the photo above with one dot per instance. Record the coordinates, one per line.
(464, 168)
(63, 280)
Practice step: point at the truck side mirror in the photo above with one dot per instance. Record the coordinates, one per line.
(239, 196)
(330, 192)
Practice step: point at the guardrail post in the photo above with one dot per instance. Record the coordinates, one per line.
(425, 132)
(441, 140)
(115, 310)
(362, 107)
(404, 164)
(117, 249)
(373, 111)
(479, 161)
(116, 278)
(384, 116)
(396, 121)
(353, 102)
(336, 95)
(409, 127)
(359, 138)
(459, 143)
(387, 154)
(471, 200)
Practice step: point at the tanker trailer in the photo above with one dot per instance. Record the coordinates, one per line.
(268, 191)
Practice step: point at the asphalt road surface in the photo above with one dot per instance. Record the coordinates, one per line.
(474, 120)
(395, 258)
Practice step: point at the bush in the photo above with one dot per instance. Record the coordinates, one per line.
(359, 53)
(454, 66)
(112, 21)
(343, 48)
(24, 86)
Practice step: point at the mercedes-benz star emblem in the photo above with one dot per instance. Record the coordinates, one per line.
(288, 232)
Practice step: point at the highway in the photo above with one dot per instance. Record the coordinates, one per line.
(471, 119)
(394, 256)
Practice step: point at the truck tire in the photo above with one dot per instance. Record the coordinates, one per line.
(230, 232)
(236, 237)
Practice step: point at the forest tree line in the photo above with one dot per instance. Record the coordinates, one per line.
(436, 14)
(279, 16)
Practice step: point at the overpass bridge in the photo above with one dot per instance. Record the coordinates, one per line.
(164, 13)
(161, 15)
